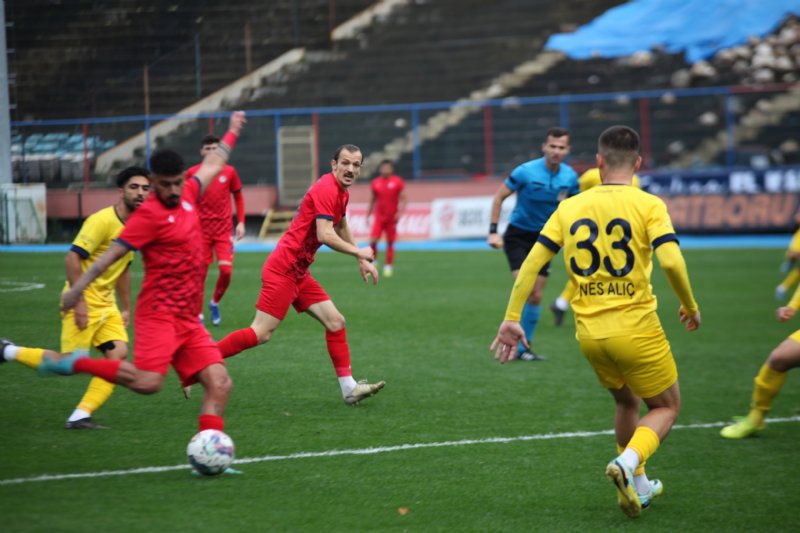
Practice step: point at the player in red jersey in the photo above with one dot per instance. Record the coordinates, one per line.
(388, 202)
(215, 218)
(285, 279)
(166, 229)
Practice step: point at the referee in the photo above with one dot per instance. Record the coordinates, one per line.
(540, 185)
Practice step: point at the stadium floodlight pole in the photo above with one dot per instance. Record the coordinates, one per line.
(5, 113)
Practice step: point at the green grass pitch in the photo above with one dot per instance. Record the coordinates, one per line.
(425, 331)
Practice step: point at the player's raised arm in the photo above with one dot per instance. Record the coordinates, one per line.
(214, 161)
(494, 240)
(672, 262)
(71, 297)
(510, 332)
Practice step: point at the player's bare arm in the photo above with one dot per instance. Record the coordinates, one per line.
(327, 235)
(674, 267)
(366, 267)
(72, 264)
(215, 161)
(495, 240)
(510, 332)
(71, 297)
(123, 288)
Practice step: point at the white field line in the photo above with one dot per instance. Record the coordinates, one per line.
(19, 286)
(365, 451)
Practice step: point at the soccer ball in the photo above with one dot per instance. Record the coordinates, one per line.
(210, 452)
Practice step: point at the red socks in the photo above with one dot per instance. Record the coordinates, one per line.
(223, 281)
(389, 253)
(339, 352)
(238, 341)
(211, 422)
(106, 369)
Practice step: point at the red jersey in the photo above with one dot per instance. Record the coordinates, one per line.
(170, 240)
(215, 208)
(296, 249)
(387, 195)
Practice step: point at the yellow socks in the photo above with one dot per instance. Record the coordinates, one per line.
(644, 442)
(768, 384)
(639, 469)
(96, 395)
(31, 357)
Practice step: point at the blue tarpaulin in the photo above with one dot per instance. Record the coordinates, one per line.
(697, 27)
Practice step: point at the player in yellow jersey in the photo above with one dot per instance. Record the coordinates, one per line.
(608, 234)
(770, 379)
(587, 180)
(96, 320)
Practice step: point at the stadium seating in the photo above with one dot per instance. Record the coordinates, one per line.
(98, 68)
(424, 51)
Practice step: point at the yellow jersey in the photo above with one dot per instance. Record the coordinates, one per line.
(96, 235)
(591, 178)
(608, 234)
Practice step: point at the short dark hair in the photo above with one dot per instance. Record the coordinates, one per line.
(350, 148)
(128, 173)
(166, 162)
(557, 132)
(386, 162)
(619, 146)
(209, 139)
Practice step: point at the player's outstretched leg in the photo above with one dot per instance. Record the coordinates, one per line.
(336, 338)
(767, 384)
(30, 357)
(259, 332)
(650, 432)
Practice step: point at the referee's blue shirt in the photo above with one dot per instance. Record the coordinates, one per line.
(538, 192)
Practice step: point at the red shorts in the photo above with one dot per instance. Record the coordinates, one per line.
(221, 246)
(161, 340)
(279, 291)
(383, 225)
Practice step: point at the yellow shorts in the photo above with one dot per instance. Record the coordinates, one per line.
(794, 245)
(795, 336)
(642, 361)
(104, 325)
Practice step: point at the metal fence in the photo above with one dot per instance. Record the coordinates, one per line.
(686, 128)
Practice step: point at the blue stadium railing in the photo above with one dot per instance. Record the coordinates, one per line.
(570, 113)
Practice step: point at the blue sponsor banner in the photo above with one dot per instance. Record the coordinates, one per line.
(733, 200)
(775, 180)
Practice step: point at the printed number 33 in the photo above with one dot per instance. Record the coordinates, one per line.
(588, 245)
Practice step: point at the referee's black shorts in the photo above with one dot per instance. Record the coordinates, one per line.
(517, 244)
